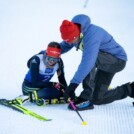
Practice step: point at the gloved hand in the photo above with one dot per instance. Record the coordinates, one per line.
(69, 92)
(58, 86)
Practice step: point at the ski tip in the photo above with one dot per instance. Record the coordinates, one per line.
(49, 120)
(46, 119)
(84, 123)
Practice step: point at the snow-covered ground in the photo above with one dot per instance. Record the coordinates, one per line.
(26, 27)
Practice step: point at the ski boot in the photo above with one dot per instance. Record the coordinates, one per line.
(40, 102)
(61, 100)
(34, 98)
(81, 104)
(21, 99)
(55, 101)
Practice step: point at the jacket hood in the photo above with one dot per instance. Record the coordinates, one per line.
(83, 20)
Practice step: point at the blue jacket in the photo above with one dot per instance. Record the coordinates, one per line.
(95, 39)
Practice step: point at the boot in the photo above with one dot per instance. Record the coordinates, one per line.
(82, 104)
(21, 99)
(132, 88)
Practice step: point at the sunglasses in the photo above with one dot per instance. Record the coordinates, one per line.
(52, 59)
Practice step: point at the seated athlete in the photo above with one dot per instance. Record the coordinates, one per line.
(42, 67)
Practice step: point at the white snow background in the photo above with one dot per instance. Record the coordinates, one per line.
(26, 27)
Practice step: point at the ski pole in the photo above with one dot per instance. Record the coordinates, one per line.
(85, 3)
(75, 109)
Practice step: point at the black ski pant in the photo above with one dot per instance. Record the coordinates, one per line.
(96, 83)
(45, 93)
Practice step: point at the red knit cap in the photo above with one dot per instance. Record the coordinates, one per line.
(69, 31)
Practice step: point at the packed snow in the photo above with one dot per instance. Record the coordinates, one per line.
(26, 27)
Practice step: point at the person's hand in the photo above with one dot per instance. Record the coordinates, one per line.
(58, 86)
(69, 92)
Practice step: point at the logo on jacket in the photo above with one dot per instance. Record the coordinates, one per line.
(49, 70)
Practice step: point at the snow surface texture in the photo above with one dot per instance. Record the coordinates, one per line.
(26, 27)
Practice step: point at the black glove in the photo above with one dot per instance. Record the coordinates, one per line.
(69, 92)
